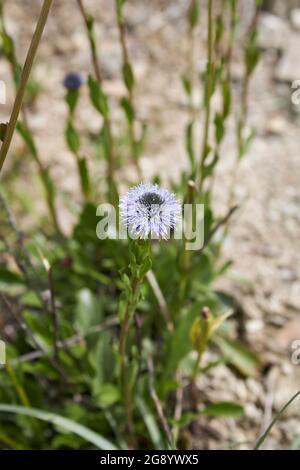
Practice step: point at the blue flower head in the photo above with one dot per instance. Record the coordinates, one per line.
(73, 81)
(148, 209)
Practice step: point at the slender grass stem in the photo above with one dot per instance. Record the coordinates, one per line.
(263, 437)
(36, 38)
(93, 46)
(158, 405)
(185, 257)
(111, 164)
(123, 362)
(208, 90)
(18, 386)
(130, 89)
(42, 170)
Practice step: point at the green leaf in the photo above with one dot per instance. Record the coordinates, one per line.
(65, 423)
(224, 409)
(187, 85)
(84, 176)
(150, 423)
(3, 127)
(252, 53)
(219, 127)
(28, 139)
(98, 97)
(190, 144)
(8, 46)
(102, 359)
(209, 168)
(218, 321)
(186, 419)
(9, 277)
(48, 186)
(128, 109)
(108, 395)
(146, 267)
(226, 93)
(236, 354)
(41, 329)
(193, 13)
(72, 99)
(179, 344)
(128, 76)
(72, 137)
(89, 310)
(120, 4)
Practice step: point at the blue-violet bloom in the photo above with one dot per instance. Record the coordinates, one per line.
(148, 209)
(73, 81)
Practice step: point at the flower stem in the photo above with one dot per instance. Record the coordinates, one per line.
(111, 165)
(208, 90)
(36, 38)
(123, 360)
(129, 83)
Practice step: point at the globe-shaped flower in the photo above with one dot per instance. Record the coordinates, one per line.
(73, 81)
(148, 209)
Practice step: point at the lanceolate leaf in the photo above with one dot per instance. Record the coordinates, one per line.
(224, 409)
(57, 420)
(238, 355)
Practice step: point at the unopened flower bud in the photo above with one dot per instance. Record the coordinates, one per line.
(206, 313)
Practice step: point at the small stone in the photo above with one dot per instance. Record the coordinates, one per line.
(288, 68)
(272, 31)
(295, 18)
(254, 326)
(276, 126)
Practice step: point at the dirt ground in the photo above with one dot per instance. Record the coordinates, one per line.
(264, 241)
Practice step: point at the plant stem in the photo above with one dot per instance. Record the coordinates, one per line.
(151, 278)
(36, 38)
(88, 20)
(122, 350)
(208, 90)
(158, 404)
(263, 437)
(42, 170)
(196, 366)
(185, 258)
(54, 316)
(18, 386)
(94, 52)
(126, 64)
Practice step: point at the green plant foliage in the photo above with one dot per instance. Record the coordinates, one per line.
(107, 333)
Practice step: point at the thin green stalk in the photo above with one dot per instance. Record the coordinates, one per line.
(189, 83)
(208, 91)
(185, 257)
(251, 58)
(18, 386)
(36, 38)
(126, 323)
(231, 41)
(111, 164)
(127, 391)
(128, 77)
(263, 437)
(196, 366)
(225, 63)
(11, 442)
(24, 129)
(74, 142)
(140, 264)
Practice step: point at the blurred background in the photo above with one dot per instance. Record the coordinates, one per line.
(264, 240)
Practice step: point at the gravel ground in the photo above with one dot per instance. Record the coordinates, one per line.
(264, 240)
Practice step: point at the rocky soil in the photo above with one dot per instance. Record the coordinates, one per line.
(264, 241)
